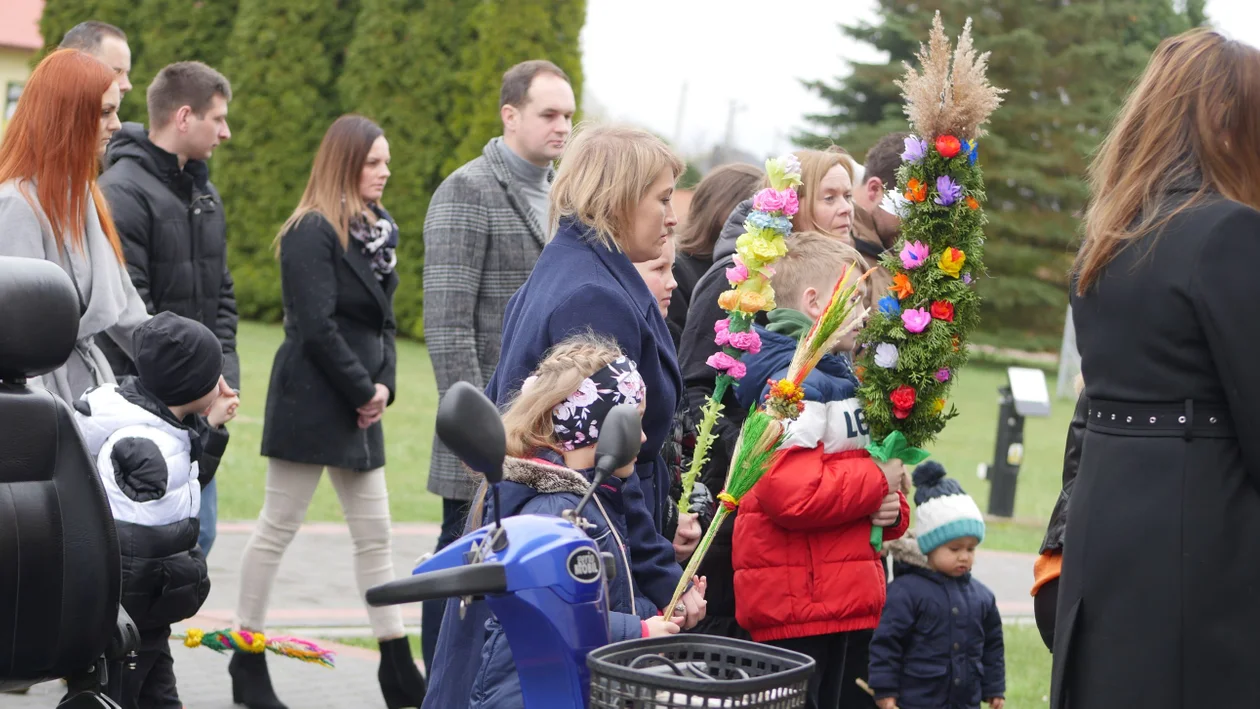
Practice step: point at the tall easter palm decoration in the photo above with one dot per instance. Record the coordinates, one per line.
(916, 339)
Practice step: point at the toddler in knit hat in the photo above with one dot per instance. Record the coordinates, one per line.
(939, 641)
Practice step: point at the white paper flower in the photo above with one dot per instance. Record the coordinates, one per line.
(886, 355)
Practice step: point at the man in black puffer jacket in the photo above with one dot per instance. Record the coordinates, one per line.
(170, 218)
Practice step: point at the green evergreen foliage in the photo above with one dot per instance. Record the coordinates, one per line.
(282, 61)
(173, 31)
(507, 34)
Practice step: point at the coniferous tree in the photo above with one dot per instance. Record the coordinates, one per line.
(283, 57)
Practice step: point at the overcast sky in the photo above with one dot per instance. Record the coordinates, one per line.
(639, 55)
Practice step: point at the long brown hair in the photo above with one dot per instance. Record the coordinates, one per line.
(1190, 120)
(333, 188)
(716, 197)
(527, 421)
(53, 141)
(815, 164)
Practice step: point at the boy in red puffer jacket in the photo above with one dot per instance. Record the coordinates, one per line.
(806, 576)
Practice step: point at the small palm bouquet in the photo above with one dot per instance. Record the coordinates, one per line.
(765, 428)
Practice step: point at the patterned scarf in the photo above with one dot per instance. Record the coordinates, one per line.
(378, 240)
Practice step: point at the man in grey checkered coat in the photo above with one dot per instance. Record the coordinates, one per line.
(486, 227)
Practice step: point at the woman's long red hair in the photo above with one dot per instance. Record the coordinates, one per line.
(53, 140)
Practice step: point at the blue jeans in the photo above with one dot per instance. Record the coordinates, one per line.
(454, 518)
(209, 516)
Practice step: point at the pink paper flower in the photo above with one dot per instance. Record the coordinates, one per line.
(737, 273)
(942, 375)
(749, 342)
(772, 200)
(726, 363)
(722, 328)
(913, 254)
(916, 319)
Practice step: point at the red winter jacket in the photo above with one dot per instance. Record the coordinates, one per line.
(803, 559)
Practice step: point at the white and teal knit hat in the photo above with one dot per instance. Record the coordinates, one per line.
(945, 512)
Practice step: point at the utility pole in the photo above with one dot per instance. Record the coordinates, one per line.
(728, 143)
(678, 120)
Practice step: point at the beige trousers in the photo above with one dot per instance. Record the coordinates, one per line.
(290, 487)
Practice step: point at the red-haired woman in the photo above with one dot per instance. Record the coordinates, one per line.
(51, 208)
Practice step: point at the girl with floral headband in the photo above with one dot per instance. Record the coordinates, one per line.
(552, 428)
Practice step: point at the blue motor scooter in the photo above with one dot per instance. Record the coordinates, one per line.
(545, 581)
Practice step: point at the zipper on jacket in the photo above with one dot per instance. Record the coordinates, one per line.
(620, 547)
(809, 570)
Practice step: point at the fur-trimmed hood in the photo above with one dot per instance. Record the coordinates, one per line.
(543, 476)
(906, 551)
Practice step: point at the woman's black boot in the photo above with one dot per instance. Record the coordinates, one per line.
(401, 682)
(251, 684)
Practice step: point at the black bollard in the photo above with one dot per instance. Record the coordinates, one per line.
(1008, 455)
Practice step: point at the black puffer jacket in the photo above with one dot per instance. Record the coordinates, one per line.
(174, 237)
(1071, 461)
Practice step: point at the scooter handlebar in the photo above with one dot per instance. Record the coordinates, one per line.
(472, 580)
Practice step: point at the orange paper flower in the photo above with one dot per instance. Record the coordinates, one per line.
(901, 286)
(972, 203)
(916, 191)
(728, 300)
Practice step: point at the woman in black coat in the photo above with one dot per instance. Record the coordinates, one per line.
(1157, 598)
(330, 383)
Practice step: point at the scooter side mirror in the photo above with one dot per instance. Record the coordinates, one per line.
(620, 438)
(470, 425)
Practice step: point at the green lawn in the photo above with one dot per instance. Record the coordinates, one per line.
(1027, 664)
(966, 442)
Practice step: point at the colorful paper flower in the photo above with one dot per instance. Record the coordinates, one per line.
(901, 286)
(955, 342)
(916, 149)
(860, 371)
(938, 406)
(772, 200)
(948, 146)
(889, 305)
(752, 302)
(916, 320)
(943, 310)
(722, 330)
(738, 273)
(886, 355)
(916, 191)
(966, 278)
(749, 341)
(791, 166)
(913, 254)
(973, 151)
(723, 362)
(762, 220)
(947, 191)
(952, 261)
(760, 246)
(942, 375)
(902, 398)
(972, 203)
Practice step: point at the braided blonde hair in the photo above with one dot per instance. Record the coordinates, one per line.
(527, 422)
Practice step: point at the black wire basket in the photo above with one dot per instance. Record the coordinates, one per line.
(697, 671)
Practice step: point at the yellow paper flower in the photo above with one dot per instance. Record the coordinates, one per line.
(760, 246)
(752, 302)
(193, 637)
(952, 262)
(938, 406)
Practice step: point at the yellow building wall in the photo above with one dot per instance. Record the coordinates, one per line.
(14, 68)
